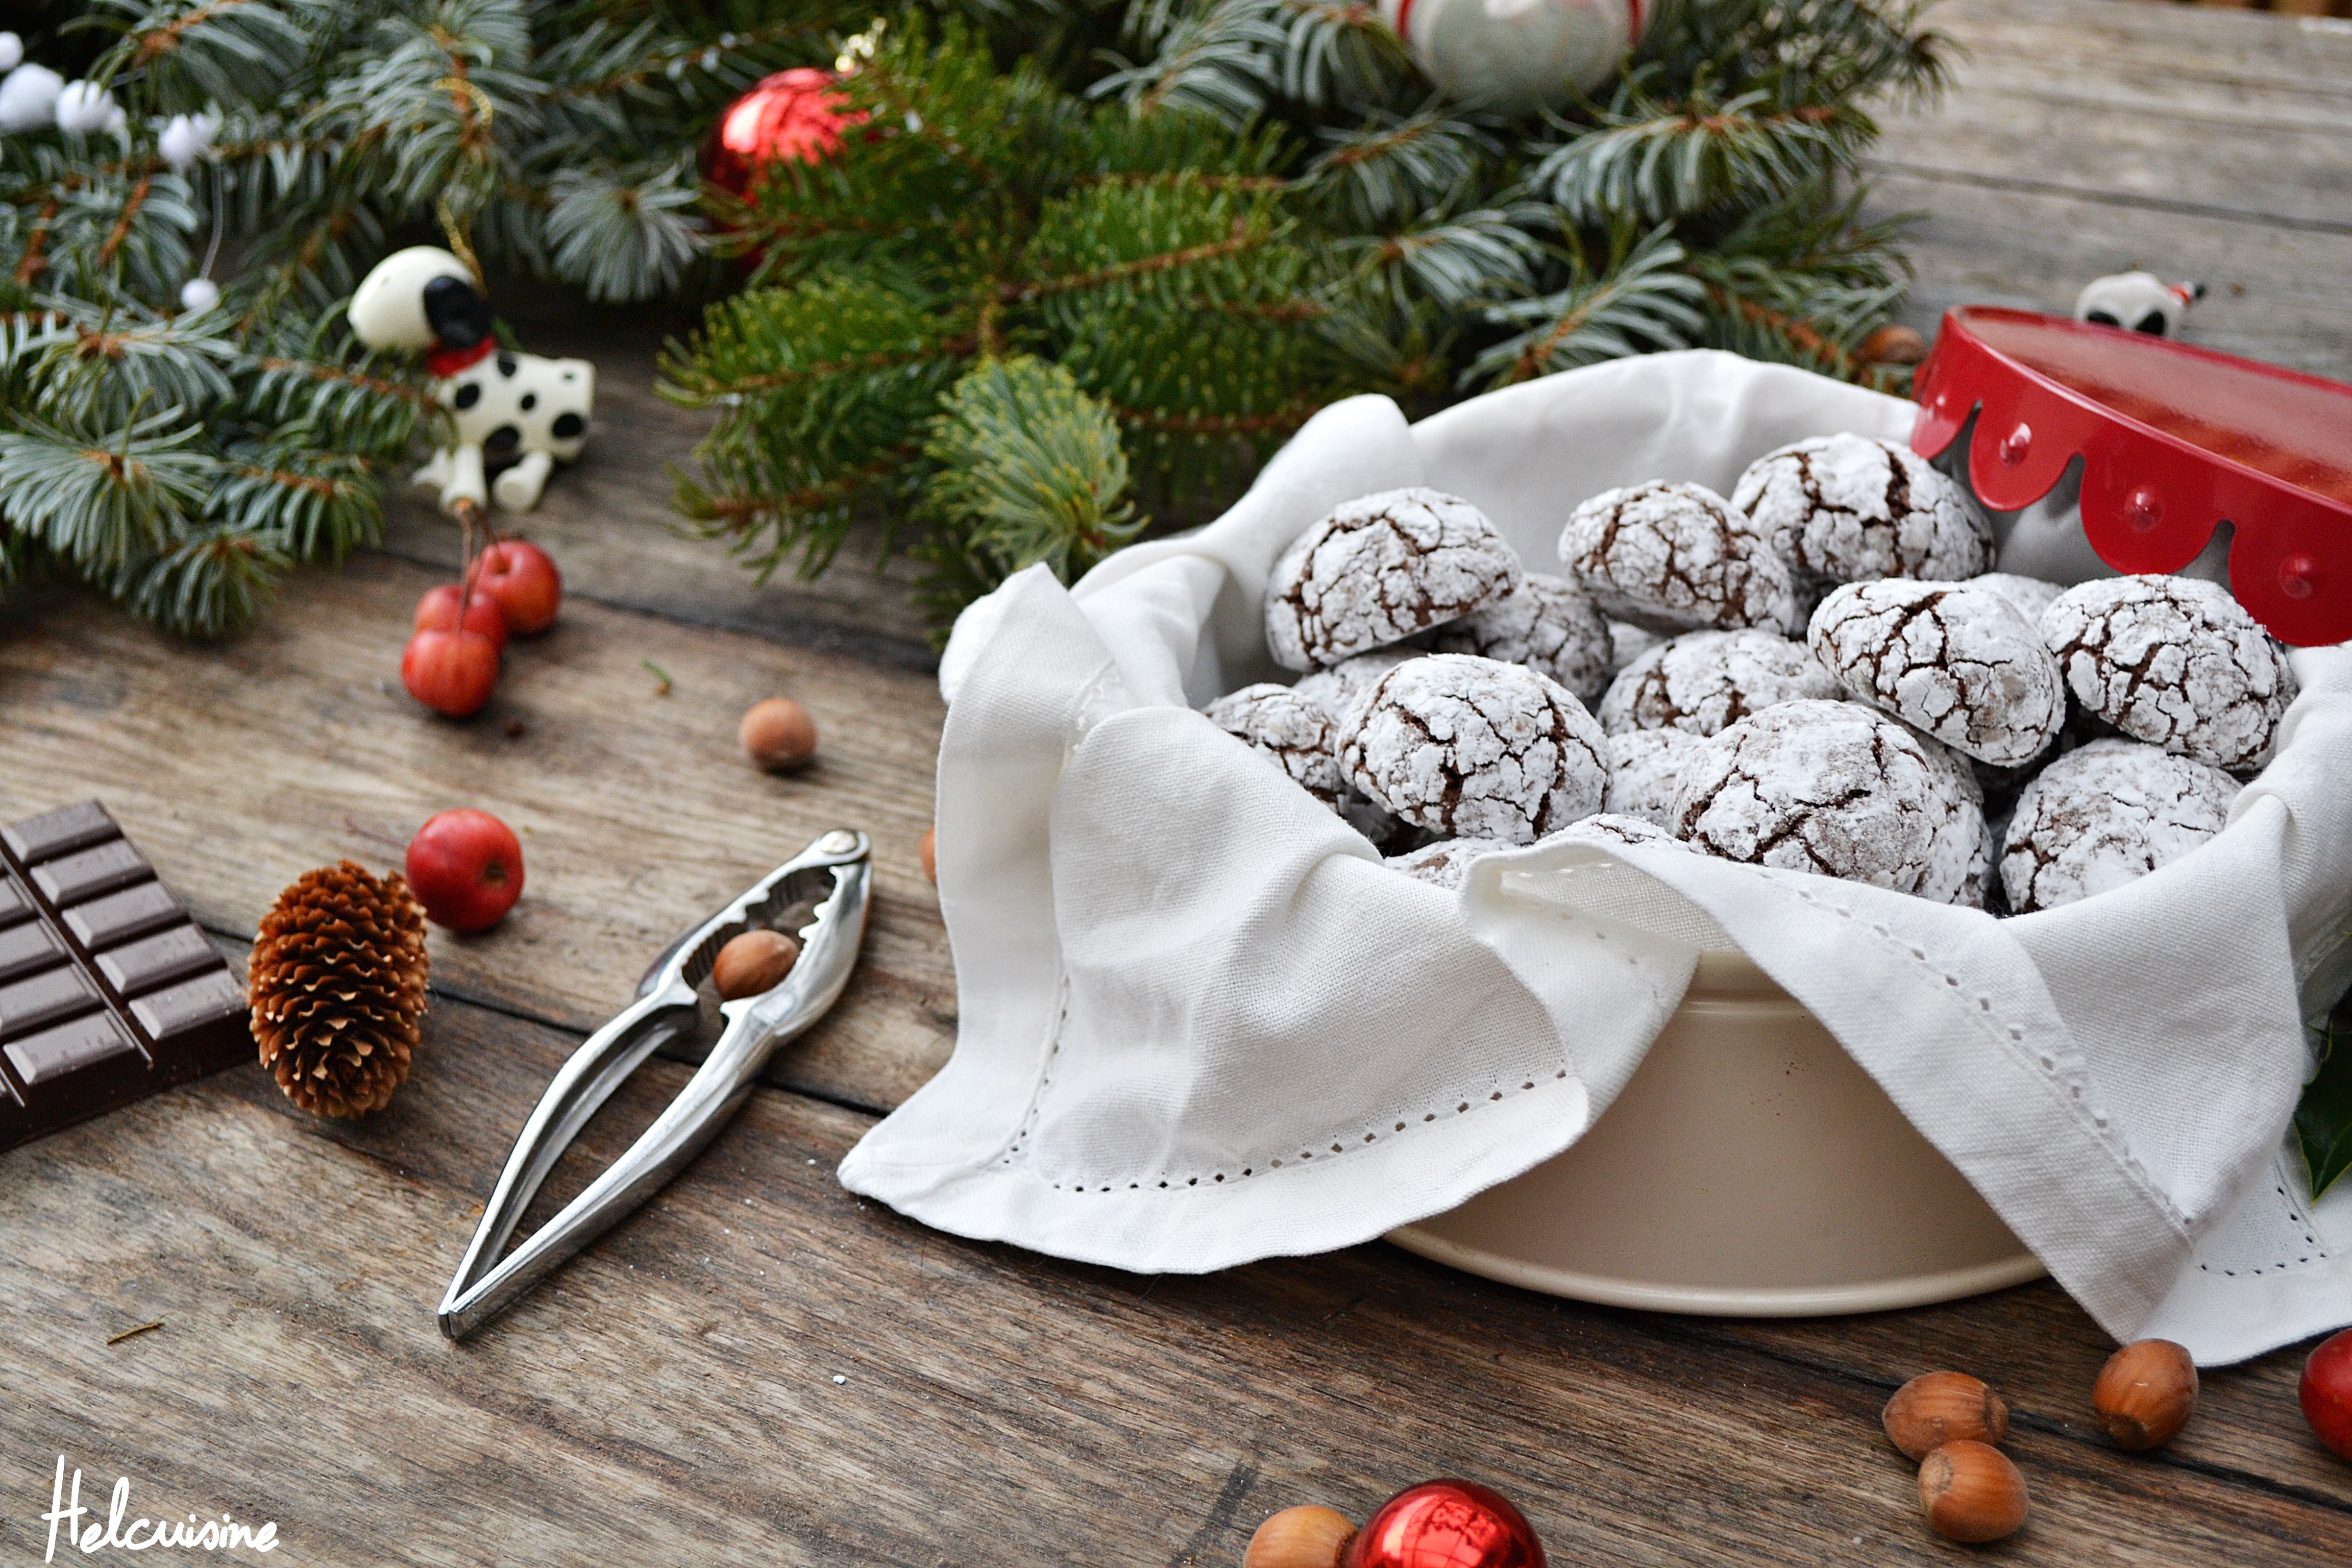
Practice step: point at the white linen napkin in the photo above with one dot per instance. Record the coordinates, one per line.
(1201, 1023)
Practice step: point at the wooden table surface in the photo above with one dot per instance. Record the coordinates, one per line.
(759, 1367)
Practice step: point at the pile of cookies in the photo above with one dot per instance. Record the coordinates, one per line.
(1819, 672)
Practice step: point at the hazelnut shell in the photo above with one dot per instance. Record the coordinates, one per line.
(2145, 1393)
(1972, 1492)
(1940, 1407)
(929, 850)
(778, 733)
(1299, 1538)
(752, 963)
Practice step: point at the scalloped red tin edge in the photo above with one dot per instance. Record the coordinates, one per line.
(2151, 499)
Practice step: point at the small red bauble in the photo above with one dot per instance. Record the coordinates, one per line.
(451, 672)
(465, 869)
(439, 609)
(2327, 1394)
(1446, 1524)
(792, 117)
(523, 579)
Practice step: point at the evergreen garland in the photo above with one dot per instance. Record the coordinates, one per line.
(182, 453)
(1232, 212)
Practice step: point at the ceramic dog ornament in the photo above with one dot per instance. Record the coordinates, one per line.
(511, 408)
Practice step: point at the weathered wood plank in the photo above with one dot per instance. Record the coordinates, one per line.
(669, 1396)
(239, 768)
(2088, 136)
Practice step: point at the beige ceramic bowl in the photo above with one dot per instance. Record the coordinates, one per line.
(1750, 1169)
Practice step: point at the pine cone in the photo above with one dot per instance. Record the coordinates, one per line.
(337, 986)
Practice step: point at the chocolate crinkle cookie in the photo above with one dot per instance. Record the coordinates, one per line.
(1704, 683)
(1293, 730)
(1380, 569)
(1301, 739)
(2174, 661)
(1613, 828)
(1834, 788)
(2104, 816)
(1336, 689)
(1676, 558)
(1468, 747)
(2031, 595)
(1445, 863)
(1645, 771)
(1547, 624)
(1959, 662)
(1853, 509)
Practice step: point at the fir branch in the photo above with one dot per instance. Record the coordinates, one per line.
(212, 584)
(101, 498)
(1641, 302)
(1029, 469)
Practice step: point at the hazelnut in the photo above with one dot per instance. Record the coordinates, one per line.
(1972, 1492)
(1893, 344)
(1941, 1407)
(1299, 1538)
(778, 733)
(929, 850)
(754, 963)
(2145, 1393)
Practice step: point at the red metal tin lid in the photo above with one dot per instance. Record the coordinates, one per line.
(2174, 440)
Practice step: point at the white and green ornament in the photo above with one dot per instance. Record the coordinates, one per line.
(1517, 56)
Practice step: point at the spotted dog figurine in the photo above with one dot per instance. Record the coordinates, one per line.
(517, 409)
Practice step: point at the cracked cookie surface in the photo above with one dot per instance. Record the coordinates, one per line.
(1337, 689)
(2174, 661)
(1378, 570)
(2031, 595)
(1299, 737)
(1961, 663)
(1469, 747)
(1547, 623)
(1645, 771)
(1676, 558)
(1615, 827)
(1834, 788)
(2107, 814)
(1853, 509)
(1704, 683)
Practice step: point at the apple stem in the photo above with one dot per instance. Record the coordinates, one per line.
(469, 514)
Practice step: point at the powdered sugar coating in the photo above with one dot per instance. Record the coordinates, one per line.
(1628, 642)
(2106, 815)
(1445, 863)
(2031, 595)
(2174, 661)
(1959, 662)
(1854, 509)
(1380, 569)
(1469, 747)
(1613, 828)
(1547, 624)
(1336, 689)
(1834, 788)
(1674, 558)
(1704, 683)
(1299, 737)
(1291, 730)
(1646, 772)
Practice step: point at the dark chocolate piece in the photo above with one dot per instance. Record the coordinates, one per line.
(77, 878)
(138, 967)
(59, 832)
(121, 917)
(108, 992)
(54, 1054)
(29, 949)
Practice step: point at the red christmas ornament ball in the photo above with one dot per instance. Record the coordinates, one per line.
(1446, 1524)
(795, 116)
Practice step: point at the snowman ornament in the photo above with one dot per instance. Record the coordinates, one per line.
(1517, 56)
(517, 409)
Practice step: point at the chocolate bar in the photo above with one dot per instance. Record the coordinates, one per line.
(108, 992)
